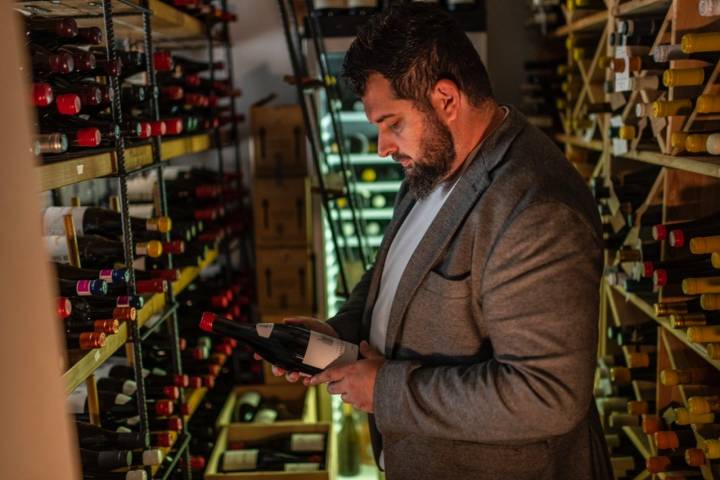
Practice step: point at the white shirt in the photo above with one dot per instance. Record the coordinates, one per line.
(406, 240)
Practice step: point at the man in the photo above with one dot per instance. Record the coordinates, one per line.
(483, 299)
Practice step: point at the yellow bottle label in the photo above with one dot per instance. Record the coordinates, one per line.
(700, 42)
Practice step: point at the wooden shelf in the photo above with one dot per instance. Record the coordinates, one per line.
(88, 362)
(193, 397)
(585, 23)
(640, 440)
(597, 19)
(707, 165)
(168, 23)
(60, 174)
(680, 334)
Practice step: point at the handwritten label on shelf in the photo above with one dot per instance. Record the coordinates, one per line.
(80, 168)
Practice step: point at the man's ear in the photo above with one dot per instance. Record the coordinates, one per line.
(445, 99)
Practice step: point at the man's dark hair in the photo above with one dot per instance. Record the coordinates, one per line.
(414, 45)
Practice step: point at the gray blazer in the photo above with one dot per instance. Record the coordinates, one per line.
(492, 336)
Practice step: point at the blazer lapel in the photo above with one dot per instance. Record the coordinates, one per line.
(473, 182)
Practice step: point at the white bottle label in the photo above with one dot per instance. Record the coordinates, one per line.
(264, 330)
(250, 398)
(76, 401)
(302, 467)
(265, 415)
(307, 442)
(141, 189)
(57, 247)
(142, 210)
(235, 460)
(53, 223)
(324, 351)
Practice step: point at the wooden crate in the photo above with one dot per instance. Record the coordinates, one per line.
(285, 279)
(296, 396)
(256, 432)
(278, 141)
(282, 210)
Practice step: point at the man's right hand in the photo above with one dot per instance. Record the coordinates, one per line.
(312, 324)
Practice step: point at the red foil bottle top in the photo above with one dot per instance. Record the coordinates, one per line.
(66, 28)
(174, 92)
(173, 126)
(648, 269)
(88, 137)
(192, 80)
(199, 353)
(64, 307)
(197, 462)
(170, 275)
(61, 63)
(164, 439)
(113, 68)
(206, 321)
(163, 61)
(660, 277)
(223, 349)
(107, 92)
(124, 313)
(164, 408)
(90, 96)
(68, 104)
(659, 232)
(175, 424)
(207, 191)
(42, 95)
(151, 286)
(219, 301)
(181, 380)
(676, 238)
(84, 61)
(196, 382)
(230, 341)
(107, 327)
(208, 381)
(158, 128)
(206, 214)
(182, 343)
(171, 393)
(218, 359)
(214, 369)
(92, 35)
(88, 340)
(145, 130)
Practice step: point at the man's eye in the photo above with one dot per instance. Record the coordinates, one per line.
(395, 126)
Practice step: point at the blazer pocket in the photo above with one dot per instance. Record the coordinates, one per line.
(457, 286)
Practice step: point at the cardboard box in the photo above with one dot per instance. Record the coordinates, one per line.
(285, 279)
(279, 145)
(282, 212)
(250, 432)
(297, 397)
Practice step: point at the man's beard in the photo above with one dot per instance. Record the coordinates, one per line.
(437, 152)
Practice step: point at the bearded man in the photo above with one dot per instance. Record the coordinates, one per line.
(481, 309)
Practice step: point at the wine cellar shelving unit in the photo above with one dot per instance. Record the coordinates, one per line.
(142, 22)
(681, 186)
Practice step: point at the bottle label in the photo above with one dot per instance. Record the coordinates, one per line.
(235, 460)
(140, 264)
(76, 401)
(324, 351)
(82, 288)
(264, 330)
(142, 210)
(265, 415)
(53, 223)
(133, 421)
(106, 274)
(57, 247)
(141, 249)
(307, 442)
(250, 398)
(302, 467)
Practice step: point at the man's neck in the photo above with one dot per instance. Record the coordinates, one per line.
(476, 126)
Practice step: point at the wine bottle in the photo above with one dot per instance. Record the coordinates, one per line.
(692, 376)
(701, 285)
(290, 443)
(100, 221)
(661, 231)
(85, 340)
(52, 143)
(109, 275)
(676, 275)
(117, 385)
(96, 438)
(156, 376)
(104, 460)
(108, 327)
(662, 463)
(78, 401)
(82, 288)
(268, 460)
(674, 439)
(246, 407)
(348, 444)
(686, 77)
(292, 347)
(96, 251)
(109, 302)
(128, 475)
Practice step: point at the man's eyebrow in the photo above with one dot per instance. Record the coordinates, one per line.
(383, 117)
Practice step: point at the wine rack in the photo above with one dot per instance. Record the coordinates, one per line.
(677, 186)
(142, 24)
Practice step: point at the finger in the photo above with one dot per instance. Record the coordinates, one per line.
(337, 388)
(369, 352)
(292, 377)
(257, 357)
(306, 381)
(345, 397)
(329, 375)
(277, 371)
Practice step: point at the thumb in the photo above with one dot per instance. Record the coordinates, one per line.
(369, 352)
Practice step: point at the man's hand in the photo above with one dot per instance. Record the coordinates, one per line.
(312, 324)
(355, 383)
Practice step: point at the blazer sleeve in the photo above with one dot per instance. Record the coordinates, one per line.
(348, 320)
(538, 294)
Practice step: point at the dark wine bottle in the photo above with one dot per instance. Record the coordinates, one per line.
(108, 327)
(85, 340)
(246, 407)
(96, 251)
(268, 460)
(109, 302)
(290, 443)
(129, 475)
(292, 347)
(78, 401)
(96, 438)
(82, 288)
(104, 460)
(100, 221)
(109, 275)
(117, 385)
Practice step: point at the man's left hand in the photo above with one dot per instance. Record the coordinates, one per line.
(355, 383)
